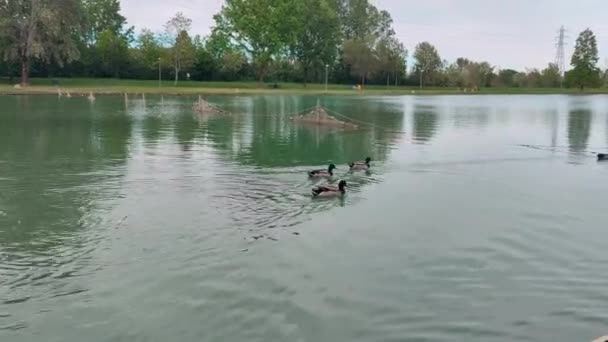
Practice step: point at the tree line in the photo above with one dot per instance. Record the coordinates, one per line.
(341, 41)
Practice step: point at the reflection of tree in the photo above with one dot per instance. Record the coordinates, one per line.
(579, 127)
(468, 116)
(425, 122)
(276, 141)
(114, 130)
(185, 130)
(55, 154)
(553, 117)
(153, 126)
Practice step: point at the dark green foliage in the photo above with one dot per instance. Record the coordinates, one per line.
(584, 60)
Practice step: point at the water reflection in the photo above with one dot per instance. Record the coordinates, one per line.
(467, 116)
(54, 152)
(99, 198)
(185, 131)
(579, 128)
(266, 136)
(553, 118)
(57, 162)
(425, 122)
(113, 129)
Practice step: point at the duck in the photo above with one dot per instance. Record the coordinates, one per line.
(361, 165)
(323, 173)
(329, 190)
(602, 156)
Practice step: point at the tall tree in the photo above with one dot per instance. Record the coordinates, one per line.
(506, 77)
(262, 28)
(360, 19)
(149, 48)
(584, 60)
(102, 15)
(533, 78)
(427, 61)
(550, 76)
(317, 34)
(39, 29)
(361, 57)
(453, 75)
(392, 56)
(113, 50)
(183, 53)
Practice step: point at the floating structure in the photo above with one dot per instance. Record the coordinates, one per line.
(320, 117)
(203, 107)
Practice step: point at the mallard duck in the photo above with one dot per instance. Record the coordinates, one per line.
(602, 156)
(361, 165)
(329, 190)
(323, 173)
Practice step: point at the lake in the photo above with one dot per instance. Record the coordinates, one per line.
(136, 220)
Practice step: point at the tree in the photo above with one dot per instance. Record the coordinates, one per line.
(550, 76)
(360, 19)
(149, 47)
(232, 62)
(113, 50)
(453, 75)
(533, 78)
(427, 61)
(361, 58)
(584, 60)
(477, 75)
(520, 80)
(183, 53)
(506, 77)
(39, 29)
(317, 35)
(262, 28)
(392, 56)
(102, 15)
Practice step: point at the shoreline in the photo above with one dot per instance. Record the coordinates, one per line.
(83, 87)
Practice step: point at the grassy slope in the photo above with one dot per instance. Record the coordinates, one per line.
(80, 86)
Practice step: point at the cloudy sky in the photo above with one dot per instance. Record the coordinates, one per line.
(507, 33)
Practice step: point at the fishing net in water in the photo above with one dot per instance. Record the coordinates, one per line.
(320, 117)
(203, 107)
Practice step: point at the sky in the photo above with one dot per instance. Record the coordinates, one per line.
(515, 34)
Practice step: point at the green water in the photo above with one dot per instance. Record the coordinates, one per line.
(139, 221)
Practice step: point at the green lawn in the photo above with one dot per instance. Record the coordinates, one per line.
(81, 86)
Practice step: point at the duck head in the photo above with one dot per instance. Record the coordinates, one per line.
(368, 160)
(331, 167)
(602, 156)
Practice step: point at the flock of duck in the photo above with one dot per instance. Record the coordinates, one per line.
(330, 190)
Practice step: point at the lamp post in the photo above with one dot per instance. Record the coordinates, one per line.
(326, 76)
(160, 75)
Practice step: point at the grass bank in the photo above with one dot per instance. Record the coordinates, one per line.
(84, 86)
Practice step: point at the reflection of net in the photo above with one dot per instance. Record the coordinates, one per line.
(319, 116)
